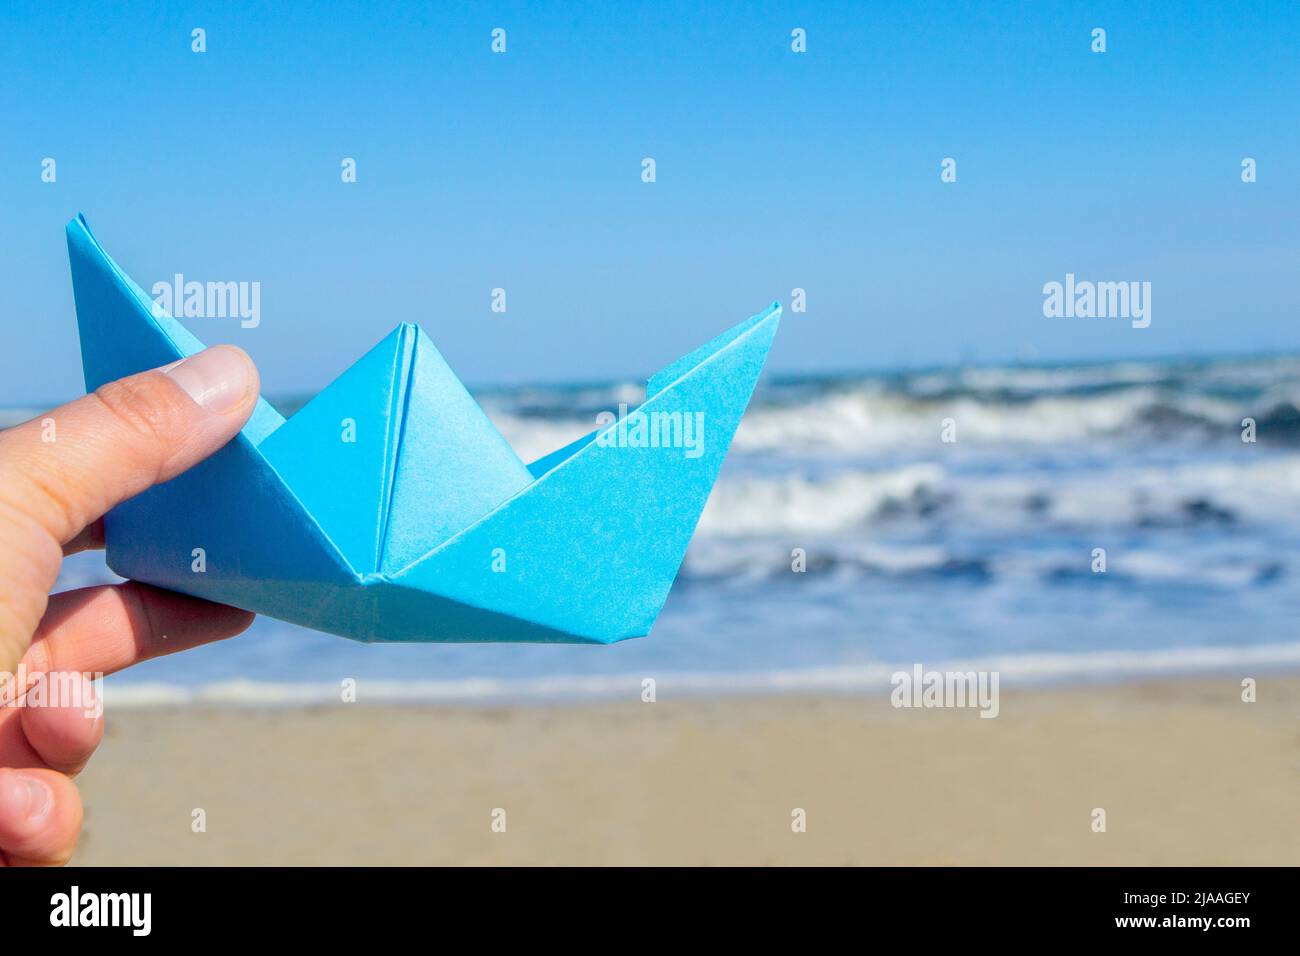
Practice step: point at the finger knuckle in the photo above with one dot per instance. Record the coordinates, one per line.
(144, 408)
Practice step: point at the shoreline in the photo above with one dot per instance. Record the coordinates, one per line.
(1022, 672)
(1186, 771)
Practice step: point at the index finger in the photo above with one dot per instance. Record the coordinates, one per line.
(104, 629)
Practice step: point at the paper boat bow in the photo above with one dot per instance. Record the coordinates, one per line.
(425, 526)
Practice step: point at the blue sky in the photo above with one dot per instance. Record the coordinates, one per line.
(775, 170)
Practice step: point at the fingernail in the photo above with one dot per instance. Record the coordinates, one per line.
(218, 378)
(25, 796)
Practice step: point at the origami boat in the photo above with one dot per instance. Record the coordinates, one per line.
(389, 508)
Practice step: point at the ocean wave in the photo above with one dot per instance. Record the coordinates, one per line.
(1017, 670)
(862, 419)
(843, 560)
(869, 418)
(995, 381)
(533, 437)
(797, 503)
(1256, 489)
(992, 406)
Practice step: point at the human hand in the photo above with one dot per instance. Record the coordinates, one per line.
(59, 474)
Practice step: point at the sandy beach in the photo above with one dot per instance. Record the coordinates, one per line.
(1186, 772)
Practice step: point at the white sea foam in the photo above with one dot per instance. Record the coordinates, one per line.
(764, 505)
(532, 438)
(1023, 669)
(1011, 406)
(863, 418)
(1252, 489)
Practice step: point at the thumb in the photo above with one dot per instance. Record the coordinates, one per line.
(64, 470)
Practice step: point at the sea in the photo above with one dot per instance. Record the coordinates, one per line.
(958, 518)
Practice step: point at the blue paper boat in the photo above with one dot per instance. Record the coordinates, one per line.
(389, 508)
